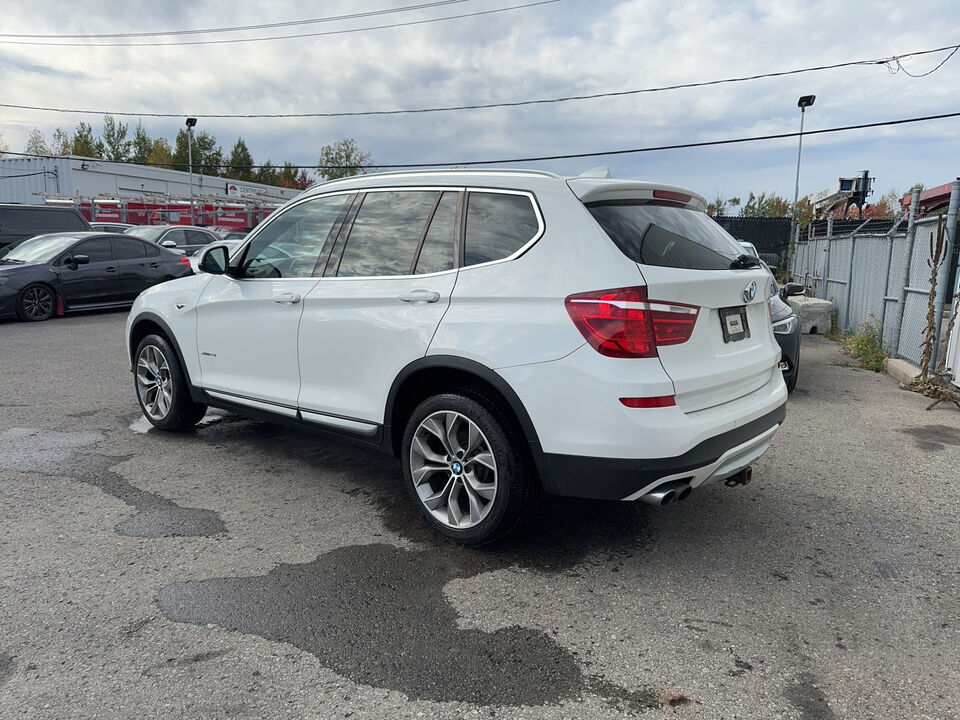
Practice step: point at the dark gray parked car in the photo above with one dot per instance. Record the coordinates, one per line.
(19, 222)
(61, 272)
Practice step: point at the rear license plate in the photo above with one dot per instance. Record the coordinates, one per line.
(733, 322)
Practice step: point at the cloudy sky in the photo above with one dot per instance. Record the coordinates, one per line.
(564, 48)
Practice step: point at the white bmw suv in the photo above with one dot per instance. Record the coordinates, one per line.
(503, 332)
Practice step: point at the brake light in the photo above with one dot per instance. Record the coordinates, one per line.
(623, 323)
(185, 260)
(671, 195)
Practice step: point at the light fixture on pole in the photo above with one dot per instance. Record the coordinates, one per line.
(191, 123)
(803, 103)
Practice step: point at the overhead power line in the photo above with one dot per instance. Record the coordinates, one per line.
(234, 28)
(569, 156)
(485, 106)
(284, 37)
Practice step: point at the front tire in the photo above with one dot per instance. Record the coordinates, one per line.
(162, 389)
(466, 467)
(36, 303)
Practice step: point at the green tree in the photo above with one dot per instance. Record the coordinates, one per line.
(343, 159)
(207, 155)
(142, 145)
(37, 143)
(116, 145)
(240, 162)
(288, 175)
(267, 173)
(161, 154)
(84, 143)
(61, 142)
(764, 205)
(718, 206)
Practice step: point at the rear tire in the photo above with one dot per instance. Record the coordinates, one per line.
(36, 303)
(792, 382)
(162, 389)
(467, 468)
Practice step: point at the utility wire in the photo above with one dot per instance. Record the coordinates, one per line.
(235, 28)
(540, 158)
(898, 67)
(485, 106)
(11, 177)
(286, 37)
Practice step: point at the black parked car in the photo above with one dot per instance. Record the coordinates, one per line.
(187, 238)
(786, 330)
(61, 272)
(19, 222)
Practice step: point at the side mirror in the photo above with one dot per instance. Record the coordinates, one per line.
(792, 289)
(168, 244)
(215, 259)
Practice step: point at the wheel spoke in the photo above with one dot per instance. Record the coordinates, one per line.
(452, 421)
(423, 473)
(486, 459)
(433, 426)
(454, 516)
(488, 491)
(473, 502)
(425, 452)
(439, 499)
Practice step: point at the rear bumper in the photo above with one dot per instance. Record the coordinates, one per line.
(713, 459)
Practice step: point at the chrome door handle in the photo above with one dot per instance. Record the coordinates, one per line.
(414, 296)
(291, 298)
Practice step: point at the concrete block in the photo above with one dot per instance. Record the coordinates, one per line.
(814, 313)
(902, 371)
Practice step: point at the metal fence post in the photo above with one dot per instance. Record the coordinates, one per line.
(846, 309)
(944, 273)
(911, 238)
(826, 260)
(886, 280)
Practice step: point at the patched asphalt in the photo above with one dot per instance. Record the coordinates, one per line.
(248, 570)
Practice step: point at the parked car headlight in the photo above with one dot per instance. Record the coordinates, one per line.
(786, 326)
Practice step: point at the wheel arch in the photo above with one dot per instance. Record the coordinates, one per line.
(439, 373)
(150, 324)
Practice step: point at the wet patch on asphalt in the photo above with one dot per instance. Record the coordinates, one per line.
(376, 615)
(808, 698)
(59, 454)
(933, 437)
(7, 665)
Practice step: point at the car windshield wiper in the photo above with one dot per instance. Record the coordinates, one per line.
(11, 261)
(744, 261)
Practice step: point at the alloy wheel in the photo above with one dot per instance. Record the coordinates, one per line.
(454, 469)
(37, 303)
(153, 382)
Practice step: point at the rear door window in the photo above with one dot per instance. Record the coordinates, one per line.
(386, 233)
(498, 225)
(199, 237)
(129, 249)
(436, 254)
(666, 236)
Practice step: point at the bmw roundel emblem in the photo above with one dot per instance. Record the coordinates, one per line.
(750, 291)
(457, 468)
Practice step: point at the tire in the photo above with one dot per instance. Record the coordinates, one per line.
(161, 386)
(490, 485)
(36, 303)
(792, 382)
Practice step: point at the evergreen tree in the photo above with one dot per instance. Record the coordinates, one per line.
(83, 143)
(239, 165)
(142, 145)
(115, 143)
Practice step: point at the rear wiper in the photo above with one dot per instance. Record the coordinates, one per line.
(744, 261)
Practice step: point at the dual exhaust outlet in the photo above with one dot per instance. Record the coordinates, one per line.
(679, 490)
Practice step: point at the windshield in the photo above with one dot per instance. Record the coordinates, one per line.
(146, 232)
(42, 248)
(667, 236)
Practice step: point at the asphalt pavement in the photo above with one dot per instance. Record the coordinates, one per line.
(248, 570)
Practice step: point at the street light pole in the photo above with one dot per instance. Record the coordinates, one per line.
(191, 122)
(803, 103)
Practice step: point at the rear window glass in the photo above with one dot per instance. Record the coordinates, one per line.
(666, 236)
(498, 224)
(40, 220)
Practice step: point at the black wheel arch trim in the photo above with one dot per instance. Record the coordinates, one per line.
(452, 362)
(195, 393)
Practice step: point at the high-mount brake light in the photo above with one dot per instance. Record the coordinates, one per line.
(623, 323)
(671, 195)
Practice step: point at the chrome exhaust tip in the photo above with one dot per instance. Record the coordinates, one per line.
(663, 494)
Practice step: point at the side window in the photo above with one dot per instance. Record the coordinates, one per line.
(291, 243)
(436, 254)
(386, 233)
(152, 249)
(198, 237)
(178, 236)
(131, 249)
(97, 249)
(498, 225)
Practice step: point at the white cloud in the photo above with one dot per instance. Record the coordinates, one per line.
(573, 47)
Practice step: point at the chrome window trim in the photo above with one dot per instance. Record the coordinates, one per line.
(541, 226)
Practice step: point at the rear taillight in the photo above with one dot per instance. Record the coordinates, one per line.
(623, 323)
(185, 261)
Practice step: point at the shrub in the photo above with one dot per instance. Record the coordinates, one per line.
(866, 345)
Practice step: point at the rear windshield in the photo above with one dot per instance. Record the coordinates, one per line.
(666, 236)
